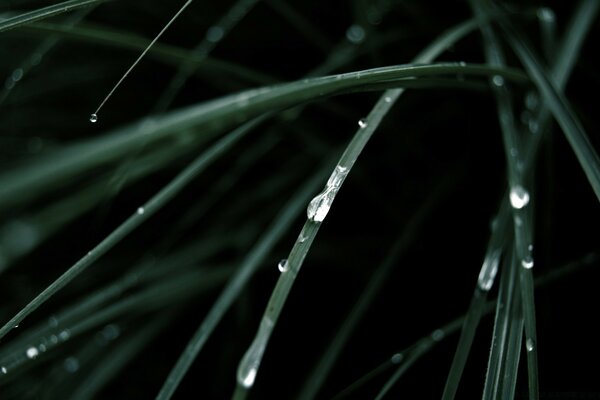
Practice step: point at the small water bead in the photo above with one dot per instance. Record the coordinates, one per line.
(530, 247)
(462, 64)
(529, 345)
(527, 262)
(4, 370)
(519, 197)
(438, 335)
(17, 74)
(71, 365)
(32, 352)
(488, 272)
(64, 335)
(248, 380)
(140, 210)
(546, 14)
(387, 99)
(397, 358)
(362, 123)
(533, 126)
(498, 80)
(93, 118)
(355, 34)
(283, 265)
(215, 34)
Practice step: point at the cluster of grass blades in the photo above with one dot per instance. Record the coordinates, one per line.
(167, 218)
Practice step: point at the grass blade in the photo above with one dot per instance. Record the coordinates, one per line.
(45, 12)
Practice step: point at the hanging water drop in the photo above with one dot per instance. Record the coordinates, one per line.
(248, 380)
(140, 210)
(32, 352)
(529, 345)
(387, 99)
(3, 370)
(519, 197)
(93, 118)
(283, 265)
(397, 358)
(530, 247)
(363, 123)
(527, 262)
(489, 270)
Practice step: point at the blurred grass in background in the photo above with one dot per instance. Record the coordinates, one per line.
(412, 221)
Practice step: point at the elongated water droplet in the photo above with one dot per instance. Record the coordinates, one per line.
(140, 210)
(527, 262)
(529, 344)
(438, 335)
(530, 247)
(283, 265)
(93, 118)
(17, 74)
(248, 368)
(319, 206)
(489, 270)
(363, 123)
(519, 197)
(32, 352)
(3, 370)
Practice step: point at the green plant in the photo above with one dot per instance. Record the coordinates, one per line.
(141, 233)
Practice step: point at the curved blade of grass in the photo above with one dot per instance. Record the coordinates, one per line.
(558, 104)
(147, 210)
(231, 291)
(316, 379)
(410, 233)
(213, 117)
(250, 363)
(46, 12)
(554, 275)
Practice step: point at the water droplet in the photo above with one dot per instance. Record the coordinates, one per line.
(533, 126)
(319, 206)
(64, 335)
(283, 265)
(397, 358)
(53, 322)
(530, 247)
(42, 347)
(363, 123)
(498, 80)
(140, 210)
(546, 14)
(489, 270)
(514, 152)
(53, 339)
(111, 332)
(529, 344)
(215, 34)
(462, 64)
(387, 99)
(302, 238)
(527, 262)
(519, 197)
(93, 118)
(32, 352)
(355, 34)
(438, 335)
(71, 365)
(17, 74)
(248, 380)
(4, 370)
